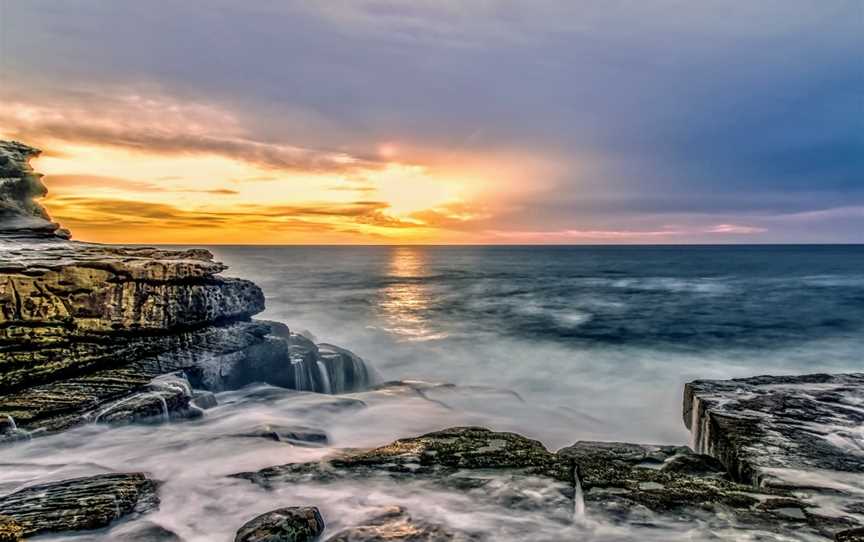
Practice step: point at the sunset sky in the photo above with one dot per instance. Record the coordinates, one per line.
(439, 121)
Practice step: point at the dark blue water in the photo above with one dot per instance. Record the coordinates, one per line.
(607, 333)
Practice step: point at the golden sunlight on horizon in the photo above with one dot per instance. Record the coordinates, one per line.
(117, 195)
(154, 169)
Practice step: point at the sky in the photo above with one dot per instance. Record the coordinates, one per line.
(442, 121)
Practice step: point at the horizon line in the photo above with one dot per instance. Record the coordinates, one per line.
(853, 244)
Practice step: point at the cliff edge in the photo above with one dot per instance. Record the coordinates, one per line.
(84, 326)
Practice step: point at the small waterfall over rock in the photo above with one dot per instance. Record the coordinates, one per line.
(8, 425)
(325, 377)
(325, 368)
(578, 498)
(345, 370)
(9, 430)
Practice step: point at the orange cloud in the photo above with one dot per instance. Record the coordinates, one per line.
(151, 169)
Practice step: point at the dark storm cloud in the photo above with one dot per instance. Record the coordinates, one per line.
(747, 111)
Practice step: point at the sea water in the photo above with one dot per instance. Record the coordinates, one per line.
(560, 344)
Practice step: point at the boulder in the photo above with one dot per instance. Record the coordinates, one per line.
(205, 400)
(143, 531)
(293, 524)
(81, 503)
(395, 524)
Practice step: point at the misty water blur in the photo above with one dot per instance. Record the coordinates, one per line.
(598, 340)
(560, 344)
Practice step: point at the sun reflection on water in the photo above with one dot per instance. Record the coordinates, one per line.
(406, 299)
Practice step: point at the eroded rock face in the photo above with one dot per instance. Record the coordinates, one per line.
(84, 328)
(64, 306)
(80, 503)
(796, 433)
(293, 524)
(133, 362)
(20, 214)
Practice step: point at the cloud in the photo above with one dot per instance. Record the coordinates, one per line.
(716, 116)
(88, 182)
(159, 125)
(572, 235)
(735, 229)
(91, 212)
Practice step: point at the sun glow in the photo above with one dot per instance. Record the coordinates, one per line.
(206, 197)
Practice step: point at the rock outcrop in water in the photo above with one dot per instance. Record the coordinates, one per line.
(673, 487)
(294, 524)
(81, 503)
(492, 467)
(85, 329)
(792, 433)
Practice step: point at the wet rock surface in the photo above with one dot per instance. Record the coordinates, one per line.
(293, 524)
(851, 535)
(143, 531)
(496, 466)
(394, 523)
(795, 433)
(441, 452)
(80, 503)
(299, 435)
(664, 485)
(86, 327)
(165, 398)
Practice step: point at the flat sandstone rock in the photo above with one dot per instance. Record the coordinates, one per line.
(798, 433)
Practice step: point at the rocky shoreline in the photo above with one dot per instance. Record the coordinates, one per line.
(93, 334)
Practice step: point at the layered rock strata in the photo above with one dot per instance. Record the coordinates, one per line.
(795, 433)
(84, 326)
(79, 504)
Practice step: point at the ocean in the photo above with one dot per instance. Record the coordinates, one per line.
(557, 343)
(601, 338)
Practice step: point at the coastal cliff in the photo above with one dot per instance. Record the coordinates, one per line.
(84, 326)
